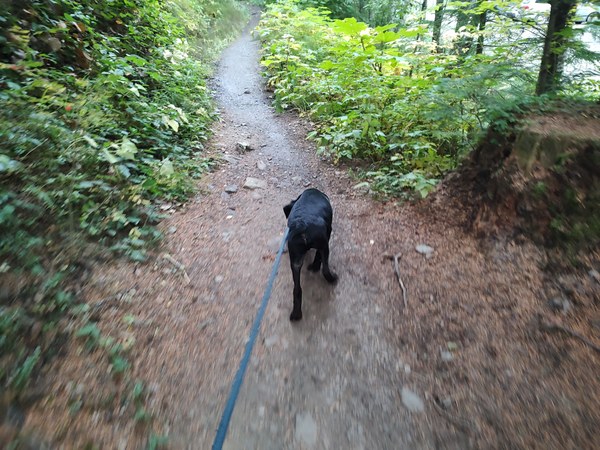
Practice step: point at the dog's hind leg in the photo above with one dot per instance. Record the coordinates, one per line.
(327, 273)
(296, 264)
(316, 264)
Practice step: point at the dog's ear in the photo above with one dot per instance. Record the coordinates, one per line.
(287, 209)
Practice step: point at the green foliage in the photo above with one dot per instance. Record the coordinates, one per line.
(382, 95)
(21, 376)
(155, 441)
(390, 96)
(104, 112)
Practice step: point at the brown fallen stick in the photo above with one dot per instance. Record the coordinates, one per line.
(178, 266)
(552, 326)
(396, 258)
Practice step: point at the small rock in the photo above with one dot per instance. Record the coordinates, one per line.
(246, 91)
(306, 183)
(306, 429)
(412, 401)
(595, 275)
(446, 403)
(446, 355)
(204, 324)
(260, 165)
(406, 369)
(225, 196)
(165, 207)
(172, 230)
(77, 391)
(560, 304)
(218, 279)
(270, 341)
(230, 159)
(231, 189)
(424, 250)
(452, 346)
(243, 147)
(255, 183)
(296, 179)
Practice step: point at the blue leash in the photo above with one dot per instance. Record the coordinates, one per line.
(239, 376)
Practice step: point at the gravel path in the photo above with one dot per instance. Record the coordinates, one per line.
(327, 382)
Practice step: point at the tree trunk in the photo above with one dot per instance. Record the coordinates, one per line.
(554, 46)
(437, 22)
(463, 44)
(481, 27)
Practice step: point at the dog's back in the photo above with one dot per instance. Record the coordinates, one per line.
(309, 219)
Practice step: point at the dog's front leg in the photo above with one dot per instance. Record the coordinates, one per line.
(327, 273)
(296, 268)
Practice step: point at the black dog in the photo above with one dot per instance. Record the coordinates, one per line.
(309, 220)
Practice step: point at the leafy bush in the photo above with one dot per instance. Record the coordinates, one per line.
(383, 95)
(104, 112)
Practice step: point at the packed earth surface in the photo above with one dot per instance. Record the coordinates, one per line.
(473, 356)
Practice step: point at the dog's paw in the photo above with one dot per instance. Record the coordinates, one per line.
(331, 277)
(295, 316)
(314, 267)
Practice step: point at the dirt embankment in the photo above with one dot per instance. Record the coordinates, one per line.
(541, 178)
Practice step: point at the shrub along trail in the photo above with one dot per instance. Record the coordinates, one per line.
(463, 365)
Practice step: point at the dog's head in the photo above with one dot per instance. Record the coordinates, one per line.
(287, 209)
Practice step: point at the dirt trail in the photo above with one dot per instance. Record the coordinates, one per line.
(468, 346)
(322, 383)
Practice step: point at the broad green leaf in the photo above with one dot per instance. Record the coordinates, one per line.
(7, 164)
(109, 157)
(166, 168)
(123, 170)
(90, 141)
(173, 124)
(327, 65)
(137, 60)
(350, 26)
(127, 149)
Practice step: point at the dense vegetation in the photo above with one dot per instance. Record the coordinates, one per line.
(412, 98)
(104, 111)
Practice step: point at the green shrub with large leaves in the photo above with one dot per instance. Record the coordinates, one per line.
(384, 95)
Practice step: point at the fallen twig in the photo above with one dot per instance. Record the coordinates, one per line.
(552, 326)
(397, 270)
(396, 258)
(178, 266)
